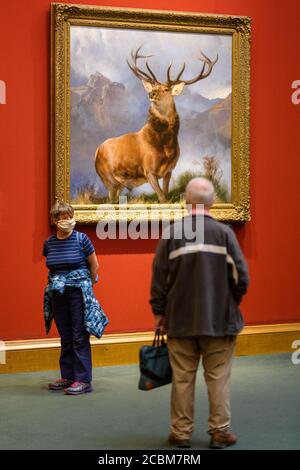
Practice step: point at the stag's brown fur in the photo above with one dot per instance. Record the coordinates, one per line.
(130, 160)
(151, 153)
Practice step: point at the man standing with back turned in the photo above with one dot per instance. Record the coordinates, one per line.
(195, 292)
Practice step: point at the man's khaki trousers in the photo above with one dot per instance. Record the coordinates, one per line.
(185, 353)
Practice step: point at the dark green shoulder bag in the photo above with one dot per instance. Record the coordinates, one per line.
(155, 366)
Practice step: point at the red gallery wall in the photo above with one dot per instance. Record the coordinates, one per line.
(270, 241)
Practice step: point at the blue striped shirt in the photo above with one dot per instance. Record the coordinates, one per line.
(66, 255)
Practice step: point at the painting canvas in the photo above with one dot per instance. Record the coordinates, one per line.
(143, 101)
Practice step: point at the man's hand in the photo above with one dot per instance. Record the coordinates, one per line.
(160, 323)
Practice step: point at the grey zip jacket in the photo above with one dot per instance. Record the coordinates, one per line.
(199, 286)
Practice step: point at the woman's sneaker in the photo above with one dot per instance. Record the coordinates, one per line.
(59, 384)
(77, 388)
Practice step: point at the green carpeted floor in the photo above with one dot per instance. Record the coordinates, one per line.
(265, 410)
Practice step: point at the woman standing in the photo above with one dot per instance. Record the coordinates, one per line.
(69, 299)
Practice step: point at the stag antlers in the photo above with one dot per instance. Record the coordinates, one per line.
(150, 77)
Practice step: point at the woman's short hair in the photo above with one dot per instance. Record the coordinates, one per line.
(61, 208)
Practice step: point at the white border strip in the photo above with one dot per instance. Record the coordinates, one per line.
(217, 249)
(192, 248)
(235, 273)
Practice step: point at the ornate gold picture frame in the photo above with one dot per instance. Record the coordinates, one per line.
(115, 74)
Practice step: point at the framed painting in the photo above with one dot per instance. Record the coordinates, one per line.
(141, 102)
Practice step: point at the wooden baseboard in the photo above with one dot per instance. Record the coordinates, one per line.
(121, 349)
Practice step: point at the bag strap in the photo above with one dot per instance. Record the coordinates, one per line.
(158, 339)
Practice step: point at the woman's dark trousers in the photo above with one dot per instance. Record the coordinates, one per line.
(75, 359)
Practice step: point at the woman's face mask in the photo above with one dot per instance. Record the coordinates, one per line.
(66, 225)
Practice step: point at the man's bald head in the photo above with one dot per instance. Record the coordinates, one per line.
(200, 191)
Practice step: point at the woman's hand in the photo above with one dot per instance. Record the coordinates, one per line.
(94, 266)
